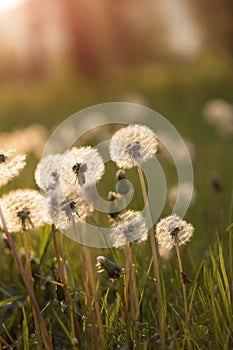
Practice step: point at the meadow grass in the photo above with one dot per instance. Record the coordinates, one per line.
(208, 258)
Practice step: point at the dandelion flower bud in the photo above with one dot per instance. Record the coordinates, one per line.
(113, 206)
(130, 227)
(10, 165)
(82, 167)
(133, 145)
(23, 209)
(104, 264)
(172, 231)
(48, 171)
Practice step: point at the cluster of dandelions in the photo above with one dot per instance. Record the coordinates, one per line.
(64, 178)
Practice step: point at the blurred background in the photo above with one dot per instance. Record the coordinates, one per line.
(175, 56)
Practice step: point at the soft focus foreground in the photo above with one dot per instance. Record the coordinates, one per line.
(175, 57)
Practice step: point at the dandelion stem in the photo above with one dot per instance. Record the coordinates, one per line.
(27, 284)
(94, 291)
(131, 285)
(126, 315)
(183, 284)
(29, 271)
(66, 288)
(155, 263)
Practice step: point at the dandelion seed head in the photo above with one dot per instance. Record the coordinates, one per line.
(172, 231)
(65, 212)
(130, 227)
(82, 167)
(23, 209)
(48, 171)
(10, 165)
(133, 145)
(219, 113)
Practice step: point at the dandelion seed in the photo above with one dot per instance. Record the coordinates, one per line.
(82, 167)
(133, 145)
(10, 165)
(130, 227)
(173, 231)
(48, 171)
(104, 264)
(64, 212)
(23, 209)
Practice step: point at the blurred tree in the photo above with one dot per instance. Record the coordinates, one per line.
(107, 32)
(216, 18)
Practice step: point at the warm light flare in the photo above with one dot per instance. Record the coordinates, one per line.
(6, 5)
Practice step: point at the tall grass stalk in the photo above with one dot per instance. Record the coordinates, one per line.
(74, 321)
(27, 284)
(160, 306)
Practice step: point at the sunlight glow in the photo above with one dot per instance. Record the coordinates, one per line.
(6, 5)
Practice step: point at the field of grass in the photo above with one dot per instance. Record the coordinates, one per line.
(180, 96)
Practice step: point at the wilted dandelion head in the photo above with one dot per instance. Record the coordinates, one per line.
(10, 165)
(82, 167)
(65, 212)
(23, 209)
(48, 171)
(133, 145)
(172, 231)
(104, 264)
(130, 227)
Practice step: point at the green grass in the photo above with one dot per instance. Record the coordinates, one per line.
(179, 95)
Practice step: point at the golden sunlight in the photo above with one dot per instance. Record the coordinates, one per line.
(6, 5)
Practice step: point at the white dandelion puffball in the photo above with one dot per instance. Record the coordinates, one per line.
(48, 171)
(219, 113)
(10, 165)
(82, 167)
(172, 231)
(130, 227)
(23, 209)
(65, 212)
(133, 145)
